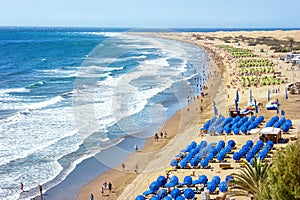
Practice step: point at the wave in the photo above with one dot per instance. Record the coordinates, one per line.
(107, 34)
(37, 84)
(13, 90)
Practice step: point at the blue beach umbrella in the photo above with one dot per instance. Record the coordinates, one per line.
(162, 193)
(154, 186)
(237, 98)
(268, 95)
(215, 109)
(211, 186)
(173, 182)
(228, 178)
(216, 180)
(155, 198)
(187, 180)
(167, 198)
(140, 197)
(223, 186)
(180, 198)
(161, 180)
(189, 193)
(174, 163)
(203, 179)
(175, 193)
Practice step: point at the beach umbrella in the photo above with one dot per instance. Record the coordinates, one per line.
(236, 106)
(250, 95)
(231, 143)
(180, 198)
(249, 143)
(221, 156)
(174, 163)
(167, 198)
(189, 193)
(216, 180)
(211, 186)
(183, 163)
(173, 181)
(154, 186)
(162, 193)
(237, 98)
(187, 180)
(210, 156)
(155, 198)
(228, 178)
(286, 94)
(204, 162)
(223, 186)
(161, 180)
(175, 193)
(215, 109)
(282, 113)
(285, 128)
(256, 107)
(268, 95)
(203, 179)
(236, 131)
(140, 197)
(236, 156)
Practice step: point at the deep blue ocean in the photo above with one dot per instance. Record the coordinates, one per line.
(67, 94)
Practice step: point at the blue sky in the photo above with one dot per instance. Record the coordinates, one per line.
(152, 13)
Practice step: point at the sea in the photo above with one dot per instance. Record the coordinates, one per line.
(67, 94)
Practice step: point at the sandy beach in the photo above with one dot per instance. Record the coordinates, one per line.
(154, 157)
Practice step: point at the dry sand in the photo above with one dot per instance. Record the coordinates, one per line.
(184, 126)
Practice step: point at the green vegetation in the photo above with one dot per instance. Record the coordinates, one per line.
(279, 180)
(284, 175)
(250, 181)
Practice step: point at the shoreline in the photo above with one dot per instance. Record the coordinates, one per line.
(180, 139)
(187, 121)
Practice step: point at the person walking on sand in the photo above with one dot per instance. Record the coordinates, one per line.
(41, 191)
(136, 168)
(91, 196)
(161, 134)
(166, 134)
(102, 191)
(123, 166)
(104, 184)
(109, 187)
(136, 148)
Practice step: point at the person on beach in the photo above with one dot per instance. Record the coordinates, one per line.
(123, 166)
(104, 184)
(136, 168)
(109, 186)
(41, 191)
(161, 134)
(136, 147)
(91, 196)
(102, 191)
(21, 187)
(156, 137)
(166, 134)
